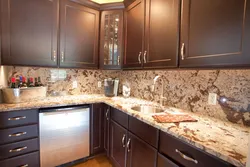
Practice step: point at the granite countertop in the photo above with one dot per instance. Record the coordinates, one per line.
(224, 140)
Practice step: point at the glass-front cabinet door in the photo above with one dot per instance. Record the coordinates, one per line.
(111, 39)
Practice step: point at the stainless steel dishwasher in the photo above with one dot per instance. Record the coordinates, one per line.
(64, 135)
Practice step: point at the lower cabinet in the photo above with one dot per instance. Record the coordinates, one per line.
(106, 128)
(162, 161)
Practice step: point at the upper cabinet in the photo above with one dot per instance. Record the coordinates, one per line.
(215, 33)
(151, 38)
(79, 35)
(111, 39)
(29, 32)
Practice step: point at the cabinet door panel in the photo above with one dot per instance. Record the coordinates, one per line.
(78, 36)
(162, 33)
(134, 35)
(215, 33)
(106, 128)
(29, 29)
(140, 153)
(118, 137)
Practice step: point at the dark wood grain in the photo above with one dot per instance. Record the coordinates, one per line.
(140, 153)
(119, 117)
(216, 33)
(18, 118)
(29, 32)
(144, 131)
(79, 34)
(117, 149)
(168, 145)
(162, 161)
(134, 35)
(162, 33)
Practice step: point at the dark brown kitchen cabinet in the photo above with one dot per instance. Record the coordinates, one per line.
(151, 38)
(29, 32)
(215, 33)
(111, 39)
(162, 161)
(140, 153)
(134, 34)
(97, 131)
(106, 128)
(79, 35)
(118, 138)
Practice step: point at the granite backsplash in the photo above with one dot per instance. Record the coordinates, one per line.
(185, 89)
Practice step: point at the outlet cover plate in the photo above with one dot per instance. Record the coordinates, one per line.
(212, 99)
(99, 84)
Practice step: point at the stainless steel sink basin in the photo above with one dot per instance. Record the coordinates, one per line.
(147, 109)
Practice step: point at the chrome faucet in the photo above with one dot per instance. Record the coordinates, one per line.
(162, 98)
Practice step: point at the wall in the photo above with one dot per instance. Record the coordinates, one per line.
(185, 89)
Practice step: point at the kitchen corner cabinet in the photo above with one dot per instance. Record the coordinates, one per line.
(215, 33)
(151, 34)
(97, 131)
(29, 32)
(111, 39)
(79, 35)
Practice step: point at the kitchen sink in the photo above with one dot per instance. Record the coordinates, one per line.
(147, 109)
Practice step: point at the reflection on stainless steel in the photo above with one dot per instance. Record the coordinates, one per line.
(64, 136)
(147, 109)
(24, 94)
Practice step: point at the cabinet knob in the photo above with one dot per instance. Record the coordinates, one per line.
(183, 51)
(17, 134)
(144, 57)
(139, 57)
(16, 118)
(128, 145)
(186, 157)
(62, 57)
(107, 112)
(54, 56)
(123, 141)
(18, 149)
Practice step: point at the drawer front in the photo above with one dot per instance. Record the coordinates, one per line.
(119, 117)
(18, 134)
(18, 148)
(18, 118)
(144, 131)
(165, 162)
(27, 160)
(186, 154)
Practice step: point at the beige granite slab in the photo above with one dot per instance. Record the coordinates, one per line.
(224, 140)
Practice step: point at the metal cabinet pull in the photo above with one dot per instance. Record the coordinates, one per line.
(107, 112)
(123, 141)
(139, 57)
(186, 157)
(62, 56)
(128, 145)
(17, 134)
(54, 56)
(18, 149)
(26, 165)
(144, 57)
(182, 51)
(16, 118)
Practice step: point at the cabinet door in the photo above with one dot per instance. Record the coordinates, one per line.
(118, 136)
(111, 39)
(106, 128)
(79, 30)
(162, 34)
(29, 29)
(134, 34)
(97, 131)
(215, 33)
(140, 153)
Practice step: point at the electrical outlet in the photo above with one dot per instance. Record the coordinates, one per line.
(74, 85)
(212, 99)
(99, 84)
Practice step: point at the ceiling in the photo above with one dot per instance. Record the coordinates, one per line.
(106, 1)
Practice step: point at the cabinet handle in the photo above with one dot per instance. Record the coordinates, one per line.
(16, 118)
(128, 145)
(54, 56)
(26, 165)
(182, 51)
(139, 58)
(18, 149)
(123, 141)
(186, 157)
(144, 57)
(107, 112)
(17, 134)
(62, 56)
